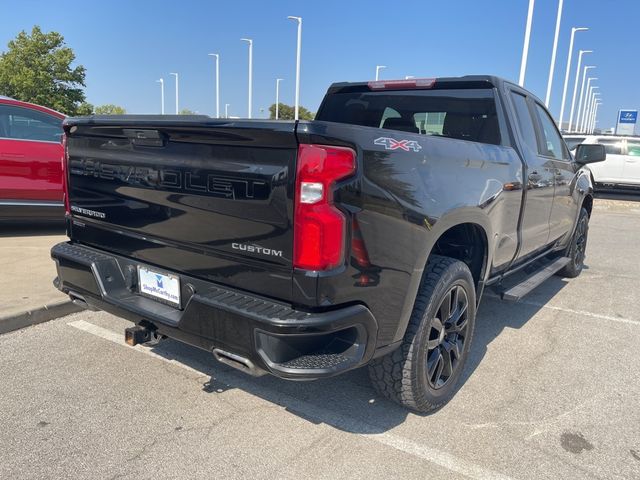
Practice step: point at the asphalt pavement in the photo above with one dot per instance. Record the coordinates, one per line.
(551, 391)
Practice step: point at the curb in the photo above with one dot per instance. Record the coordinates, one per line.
(39, 315)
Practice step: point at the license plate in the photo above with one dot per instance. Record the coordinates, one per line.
(160, 286)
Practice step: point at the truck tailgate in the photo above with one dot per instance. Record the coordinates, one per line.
(209, 198)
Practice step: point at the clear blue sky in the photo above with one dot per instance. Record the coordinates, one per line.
(127, 45)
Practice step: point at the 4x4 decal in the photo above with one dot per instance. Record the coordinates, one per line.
(393, 144)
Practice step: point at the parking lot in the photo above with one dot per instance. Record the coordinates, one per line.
(551, 391)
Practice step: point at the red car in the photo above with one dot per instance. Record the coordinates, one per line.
(30, 162)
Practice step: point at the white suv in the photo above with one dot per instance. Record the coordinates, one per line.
(622, 166)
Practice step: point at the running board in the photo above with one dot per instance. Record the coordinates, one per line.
(518, 291)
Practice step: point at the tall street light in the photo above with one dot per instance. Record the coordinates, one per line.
(584, 76)
(587, 107)
(226, 110)
(575, 86)
(177, 108)
(553, 53)
(594, 99)
(568, 72)
(250, 42)
(587, 99)
(278, 80)
(161, 82)
(587, 123)
(525, 48)
(298, 47)
(595, 117)
(217, 83)
(378, 68)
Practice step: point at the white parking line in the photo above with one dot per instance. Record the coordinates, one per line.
(329, 417)
(583, 313)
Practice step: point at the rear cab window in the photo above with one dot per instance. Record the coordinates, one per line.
(463, 114)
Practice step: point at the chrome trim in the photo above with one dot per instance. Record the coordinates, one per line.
(59, 142)
(29, 203)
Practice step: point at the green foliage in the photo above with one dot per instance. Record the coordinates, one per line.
(186, 111)
(110, 109)
(84, 108)
(37, 68)
(286, 112)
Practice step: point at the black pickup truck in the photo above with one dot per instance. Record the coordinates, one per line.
(307, 249)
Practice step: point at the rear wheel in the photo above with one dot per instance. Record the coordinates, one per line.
(577, 248)
(423, 373)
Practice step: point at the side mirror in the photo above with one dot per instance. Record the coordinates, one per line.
(590, 154)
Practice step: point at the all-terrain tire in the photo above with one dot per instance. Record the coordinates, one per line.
(576, 250)
(403, 375)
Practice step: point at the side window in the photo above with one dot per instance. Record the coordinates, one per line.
(573, 142)
(611, 145)
(552, 140)
(525, 121)
(634, 148)
(26, 124)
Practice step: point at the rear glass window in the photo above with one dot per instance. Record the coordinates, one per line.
(633, 148)
(26, 124)
(611, 145)
(464, 114)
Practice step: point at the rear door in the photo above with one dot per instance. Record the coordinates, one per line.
(612, 169)
(30, 156)
(211, 199)
(631, 169)
(553, 148)
(540, 177)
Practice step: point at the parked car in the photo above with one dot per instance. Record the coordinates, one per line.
(30, 162)
(622, 166)
(307, 249)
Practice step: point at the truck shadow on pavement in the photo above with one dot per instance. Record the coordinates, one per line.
(348, 402)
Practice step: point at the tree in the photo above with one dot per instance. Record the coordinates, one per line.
(85, 108)
(110, 109)
(286, 112)
(186, 111)
(37, 68)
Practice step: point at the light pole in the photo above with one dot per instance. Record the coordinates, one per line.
(584, 76)
(595, 117)
(278, 80)
(217, 83)
(592, 119)
(553, 54)
(250, 42)
(587, 107)
(298, 47)
(161, 82)
(177, 109)
(226, 110)
(594, 99)
(567, 73)
(525, 48)
(575, 86)
(587, 100)
(378, 68)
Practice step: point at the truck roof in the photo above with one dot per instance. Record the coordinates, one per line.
(467, 81)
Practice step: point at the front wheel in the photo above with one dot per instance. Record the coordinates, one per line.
(577, 248)
(422, 374)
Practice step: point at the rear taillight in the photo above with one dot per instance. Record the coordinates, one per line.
(319, 227)
(402, 84)
(65, 170)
